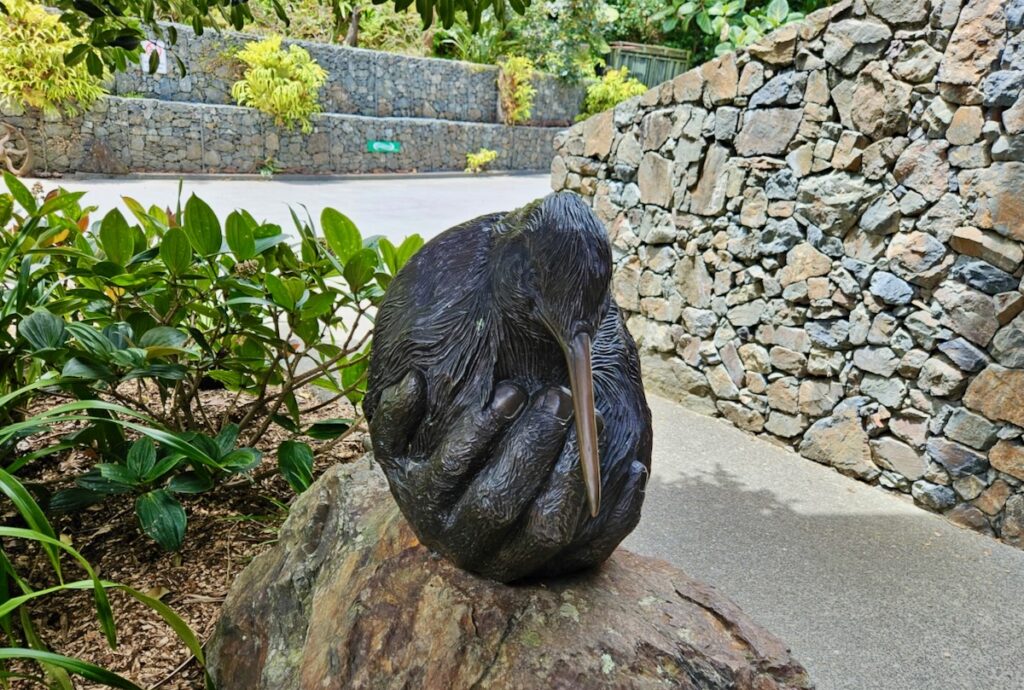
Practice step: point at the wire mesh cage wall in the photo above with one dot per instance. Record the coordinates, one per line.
(650, 64)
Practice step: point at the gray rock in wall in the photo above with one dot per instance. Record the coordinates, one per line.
(146, 135)
(859, 249)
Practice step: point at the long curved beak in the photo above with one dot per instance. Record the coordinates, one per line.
(581, 380)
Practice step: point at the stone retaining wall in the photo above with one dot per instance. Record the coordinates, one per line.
(121, 135)
(359, 82)
(821, 240)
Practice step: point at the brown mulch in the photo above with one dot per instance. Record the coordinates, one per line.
(227, 527)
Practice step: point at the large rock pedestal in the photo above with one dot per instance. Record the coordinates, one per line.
(349, 599)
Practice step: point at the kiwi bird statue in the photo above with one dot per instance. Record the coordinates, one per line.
(504, 395)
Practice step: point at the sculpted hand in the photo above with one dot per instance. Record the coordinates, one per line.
(501, 494)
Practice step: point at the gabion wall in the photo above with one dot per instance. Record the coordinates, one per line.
(821, 240)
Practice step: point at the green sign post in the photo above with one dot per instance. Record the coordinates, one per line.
(375, 146)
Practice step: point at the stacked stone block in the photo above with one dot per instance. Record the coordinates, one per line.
(821, 240)
(121, 135)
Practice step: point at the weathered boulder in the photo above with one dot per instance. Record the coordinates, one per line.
(348, 598)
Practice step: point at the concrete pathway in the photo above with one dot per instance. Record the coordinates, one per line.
(394, 206)
(870, 592)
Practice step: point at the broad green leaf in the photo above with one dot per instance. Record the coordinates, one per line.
(141, 457)
(63, 201)
(341, 233)
(329, 429)
(777, 10)
(410, 245)
(20, 192)
(389, 252)
(175, 251)
(226, 439)
(42, 330)
(241, 460)
(202, 227)
(6, 209)
(240, 237)
(74, 499)
(91, 339)
(117, 474)
(117, 238)
(190, 483)
(704, 22)
(163, 336)
(360, 268)
(162, 518)
(279, 292)
(76, 368)
(295, 461)
(317, 305)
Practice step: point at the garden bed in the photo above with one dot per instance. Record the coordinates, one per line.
(228, 526)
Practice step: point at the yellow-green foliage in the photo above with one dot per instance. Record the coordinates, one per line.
(33, 43)
(476, 162)
(614, 87)
(282, 83)
(516, 90)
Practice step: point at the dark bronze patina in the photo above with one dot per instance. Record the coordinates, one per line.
(495, 338)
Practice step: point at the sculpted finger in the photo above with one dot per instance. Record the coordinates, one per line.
(503, 489)
(398, 415)
(465, 447)
(600, 538)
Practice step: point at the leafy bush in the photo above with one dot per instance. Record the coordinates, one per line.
(636, 21)
(381, 27)
(109, 28)
(282, 83)
(564, 37)
(486, 46)
(515, 90)
(614, 87)
(476, 162)
(136, 321)
(726, 25)
(33, 43)
(17, 591)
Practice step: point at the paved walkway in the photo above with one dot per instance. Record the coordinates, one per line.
(870, 592)
(379, 205)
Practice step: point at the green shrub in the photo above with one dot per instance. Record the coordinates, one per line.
(477, 162)
(515, 90)
(614, 87)
(134, 320)
(726, 25)
(381, 27)
(564, 37)
(282, 83)
(18, 590)
(486, 46)
(33, 43)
